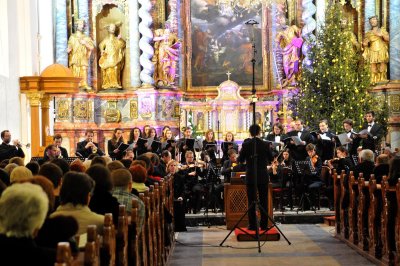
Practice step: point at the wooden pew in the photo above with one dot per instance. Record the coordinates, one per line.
(122, 237)
(134, 255)
(353, 209)
(92, 247)
(362, 213)
(397, 228)
(64, 256)
(374, 217)
(344, 212)
(108, 249)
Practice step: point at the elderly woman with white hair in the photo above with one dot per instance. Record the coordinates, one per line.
(23, 209)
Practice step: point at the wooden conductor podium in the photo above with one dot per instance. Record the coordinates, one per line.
(236, 201)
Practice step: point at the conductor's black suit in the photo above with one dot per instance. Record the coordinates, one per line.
(263, 156)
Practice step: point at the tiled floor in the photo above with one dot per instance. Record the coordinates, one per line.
(311, 245)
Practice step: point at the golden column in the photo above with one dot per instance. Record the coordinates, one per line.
(34, 102)
(45, 117)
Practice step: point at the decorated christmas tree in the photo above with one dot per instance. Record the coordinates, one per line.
(336, 85)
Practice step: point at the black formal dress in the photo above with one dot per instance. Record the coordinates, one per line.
(299, 153)
(113, 146)
(376, 132)
(8, 151)
(262, 149)
(211, 148)
(181, 144)
(80, 149)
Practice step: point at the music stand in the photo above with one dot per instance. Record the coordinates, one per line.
(256, 202)
(284, 174)
(355, 159)
(302, 168)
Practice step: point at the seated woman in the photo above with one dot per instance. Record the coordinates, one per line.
(102, 200)
(139, 176)
(23, 209)
(75, 195)
(381, 167)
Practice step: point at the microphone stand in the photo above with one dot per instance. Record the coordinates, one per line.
(256, 203)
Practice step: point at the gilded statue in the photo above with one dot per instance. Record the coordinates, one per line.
(166, 56)
(376, 50)
(344, 25)
(111, 62)
(290, 41)
(79, 49)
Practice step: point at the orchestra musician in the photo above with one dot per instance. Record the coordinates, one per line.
(229, 143)
(342, 161)
(114, 143)
(230, 166)
(8, 151)
(210, 145)
(277, 135)
(325, 141)
(192, 173)
(252, 146)
(57, 141)
(299, 152)
(88, 146)
(375, 132)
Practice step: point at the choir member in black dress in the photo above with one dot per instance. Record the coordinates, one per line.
(114, 143)
(210, 145)
(229, 143)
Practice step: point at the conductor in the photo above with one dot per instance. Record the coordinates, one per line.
(261, 156)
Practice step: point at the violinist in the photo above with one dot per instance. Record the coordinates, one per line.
(315, 163)
(277, 136)
(281, 169)
(229, 143)
(231, 166)
(341, 162)
(192, 174)
(325, 141)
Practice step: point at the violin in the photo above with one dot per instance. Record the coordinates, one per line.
(314, 160)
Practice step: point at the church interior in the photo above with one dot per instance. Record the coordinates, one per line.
(131, 123)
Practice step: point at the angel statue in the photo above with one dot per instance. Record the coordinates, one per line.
(166, 46)
(290, 41)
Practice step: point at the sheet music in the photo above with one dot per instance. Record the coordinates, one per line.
(343, 138)
(297, 140)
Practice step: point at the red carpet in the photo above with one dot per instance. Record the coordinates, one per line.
(271, 235)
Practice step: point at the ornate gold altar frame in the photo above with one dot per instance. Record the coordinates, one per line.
(187, 53)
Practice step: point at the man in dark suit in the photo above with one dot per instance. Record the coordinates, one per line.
(277, 136)
(8, 151)
(87, 147)
(230, 166)
(256, 151)
(57, 143)
(299, 152)
(376, 132)
(325, 141)
(352, 136)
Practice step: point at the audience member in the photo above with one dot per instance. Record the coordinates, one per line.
(394, 171)
(74, 197)
(17, 160)
(20, 173)
(77, 166)
(366, 164)
(122, 180)
(126, 163)
(23, 209)
(63, 164)
(102, 201)
(381, 167)
(10, 167)
(53, 173)
(99, 160)
(139, 176)
(4, 177)
(33, 166)
(114, 165)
